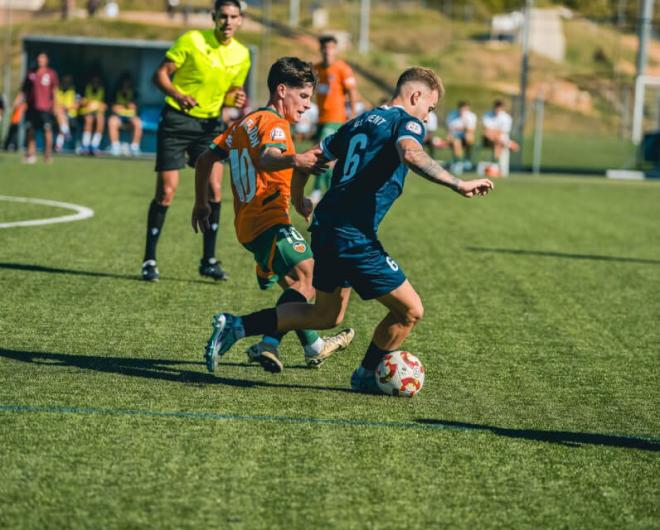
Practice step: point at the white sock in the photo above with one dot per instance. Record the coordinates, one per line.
(64, 129)
(96, 140)
(135, 147)
(316, 347)
(59, 141)
(86, 138)
(116, 145)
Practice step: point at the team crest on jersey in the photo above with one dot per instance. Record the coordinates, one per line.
(300, 247)
(277, 134)
(414, 127)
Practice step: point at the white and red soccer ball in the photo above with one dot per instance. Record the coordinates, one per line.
(400, 373)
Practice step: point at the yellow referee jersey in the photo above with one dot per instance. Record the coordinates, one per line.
(206, 70)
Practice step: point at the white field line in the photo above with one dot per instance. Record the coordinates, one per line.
(82, 212)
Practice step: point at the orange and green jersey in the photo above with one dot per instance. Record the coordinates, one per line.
(261, 198)
(333, 84)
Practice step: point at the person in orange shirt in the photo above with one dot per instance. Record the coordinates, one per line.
(11, 142)
(262, 159)
(336, 82)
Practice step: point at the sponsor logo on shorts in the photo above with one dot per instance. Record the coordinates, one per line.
(300, 247)
(414, 127)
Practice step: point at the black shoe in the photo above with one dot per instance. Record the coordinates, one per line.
(150, 271)
(212, 269)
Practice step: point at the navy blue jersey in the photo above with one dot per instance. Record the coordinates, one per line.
(368, 176)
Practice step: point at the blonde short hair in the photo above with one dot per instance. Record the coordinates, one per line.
(421, 75)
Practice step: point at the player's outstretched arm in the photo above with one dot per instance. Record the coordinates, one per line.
(203, 169)
(413, 155)
(311, 161)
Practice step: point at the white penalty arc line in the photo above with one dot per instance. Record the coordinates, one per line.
(82, 212)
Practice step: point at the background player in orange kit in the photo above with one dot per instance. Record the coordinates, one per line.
(336, 82)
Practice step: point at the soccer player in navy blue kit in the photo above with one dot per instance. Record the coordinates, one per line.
(373, 154)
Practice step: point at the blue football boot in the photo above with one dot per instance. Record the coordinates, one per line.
(364, 381)
(227, 330)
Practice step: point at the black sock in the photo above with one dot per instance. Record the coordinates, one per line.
(373, 356)
(211, 236)
(287, 297)
(155, 221)
(262, 322)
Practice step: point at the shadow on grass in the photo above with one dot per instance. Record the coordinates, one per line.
(163, 369)
(569, 439)
(550, 254)
(94, 274)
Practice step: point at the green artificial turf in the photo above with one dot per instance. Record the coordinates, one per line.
(540, 341)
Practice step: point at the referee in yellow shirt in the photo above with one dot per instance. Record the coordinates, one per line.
(201, 72)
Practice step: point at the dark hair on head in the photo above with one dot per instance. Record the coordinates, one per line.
(421, 75)
(292, 72)
(498, 103)
(463, 103)
(324, 39)
(219, 3)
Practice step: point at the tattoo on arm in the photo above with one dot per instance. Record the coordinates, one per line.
(422, 164)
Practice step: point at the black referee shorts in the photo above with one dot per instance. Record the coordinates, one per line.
(180, 134)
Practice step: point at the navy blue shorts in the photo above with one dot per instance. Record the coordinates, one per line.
(368, 269)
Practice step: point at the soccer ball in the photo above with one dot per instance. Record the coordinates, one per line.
(492, 170)
(400, 373)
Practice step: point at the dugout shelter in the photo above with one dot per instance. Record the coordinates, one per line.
(83, 57)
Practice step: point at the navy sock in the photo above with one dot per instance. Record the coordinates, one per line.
(373, 356)
(262, 322)
(155, 221)
(211, 236)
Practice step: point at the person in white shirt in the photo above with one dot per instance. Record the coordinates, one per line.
(461, 124)
(431, 139)
(497, 127)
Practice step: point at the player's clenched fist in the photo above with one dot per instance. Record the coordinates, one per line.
(185, 102)
(474, 188)
(311, 161)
